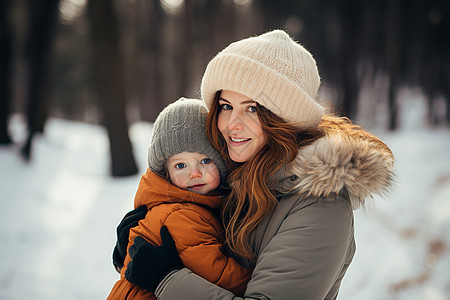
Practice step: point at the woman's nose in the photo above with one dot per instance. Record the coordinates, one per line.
(235, 122)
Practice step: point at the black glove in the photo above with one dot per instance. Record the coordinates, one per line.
(130, 220)
(149, 263)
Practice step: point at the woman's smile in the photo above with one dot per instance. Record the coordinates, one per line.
(238, 141)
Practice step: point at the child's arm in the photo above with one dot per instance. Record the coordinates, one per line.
(196, 237)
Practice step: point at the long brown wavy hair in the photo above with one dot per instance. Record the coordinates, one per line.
(251, 199)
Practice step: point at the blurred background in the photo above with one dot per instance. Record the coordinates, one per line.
(118, 62)
(81, 82)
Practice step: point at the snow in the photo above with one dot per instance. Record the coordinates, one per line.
(402, 242)
(59, 213)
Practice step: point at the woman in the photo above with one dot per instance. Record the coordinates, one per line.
(296, 176)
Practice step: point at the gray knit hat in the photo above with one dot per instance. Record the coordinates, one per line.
(273, 70)
(180, 127)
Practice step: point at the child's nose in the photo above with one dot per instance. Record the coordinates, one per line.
(195, 173)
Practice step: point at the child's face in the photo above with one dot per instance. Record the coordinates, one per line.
(193, 172)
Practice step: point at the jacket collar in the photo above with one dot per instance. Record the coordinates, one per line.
(154, 190)
(350, 162)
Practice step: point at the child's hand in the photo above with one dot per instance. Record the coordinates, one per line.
(149, 263)
(130, 220)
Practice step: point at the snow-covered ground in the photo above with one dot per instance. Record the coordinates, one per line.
(58, 216)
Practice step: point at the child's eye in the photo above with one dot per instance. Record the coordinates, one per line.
(225, 107)
(252, 109)
(180, 166)
(206, 161)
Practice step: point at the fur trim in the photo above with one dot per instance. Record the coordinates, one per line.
(351, 161)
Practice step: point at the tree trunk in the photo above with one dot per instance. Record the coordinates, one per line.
(186, 48)
(43, 17)
(219, 35)
(6, 58)
(446, 78)
(392, 44)
(350, 19)
(152, 83)
(111, 84)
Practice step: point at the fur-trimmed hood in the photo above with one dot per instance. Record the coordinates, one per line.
(345, 159)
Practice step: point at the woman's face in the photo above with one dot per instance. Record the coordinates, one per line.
(240, 126)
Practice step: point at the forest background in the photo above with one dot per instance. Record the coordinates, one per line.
(118, 62)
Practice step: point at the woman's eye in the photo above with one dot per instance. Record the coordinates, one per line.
(180, 165)
(252, 109)
(226, 107)
(206, 161)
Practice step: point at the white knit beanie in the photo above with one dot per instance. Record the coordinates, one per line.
(180, 127)
(271, 69)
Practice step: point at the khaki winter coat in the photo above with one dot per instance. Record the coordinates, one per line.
(306, 244)
(195, 229)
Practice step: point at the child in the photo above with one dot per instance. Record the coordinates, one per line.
(180, 190)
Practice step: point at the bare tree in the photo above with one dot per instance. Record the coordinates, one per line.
(43, 17)
(187, 39)
(111, 84)
(152, 70)
(348, 57)
(392, 49)
(5, 70)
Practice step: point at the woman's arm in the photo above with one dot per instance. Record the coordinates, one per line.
(306, 259)
(195, 236)
(201, 250)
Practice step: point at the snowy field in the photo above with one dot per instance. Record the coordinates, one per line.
(59, 213)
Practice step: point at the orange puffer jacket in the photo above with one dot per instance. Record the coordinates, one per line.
(195, 229)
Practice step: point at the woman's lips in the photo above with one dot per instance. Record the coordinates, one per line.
(235, 141)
